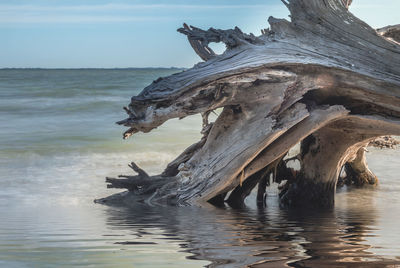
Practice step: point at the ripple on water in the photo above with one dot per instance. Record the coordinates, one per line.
(53, 163)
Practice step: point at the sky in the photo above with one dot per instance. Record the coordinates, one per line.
(135, 33)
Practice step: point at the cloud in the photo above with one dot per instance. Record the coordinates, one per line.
(122, 7)
(23, 14)
(75, 19)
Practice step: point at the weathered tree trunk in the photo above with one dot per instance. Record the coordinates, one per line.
(325, 78)
(323, 154)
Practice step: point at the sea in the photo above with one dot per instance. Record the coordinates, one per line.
(58, 142)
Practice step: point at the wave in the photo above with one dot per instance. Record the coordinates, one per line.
(34, 178)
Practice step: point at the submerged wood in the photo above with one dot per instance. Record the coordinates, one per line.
(357, 171)
(325, 79)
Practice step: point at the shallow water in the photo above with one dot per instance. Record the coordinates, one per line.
(58, 141)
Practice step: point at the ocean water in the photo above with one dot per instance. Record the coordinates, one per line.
(59, 140)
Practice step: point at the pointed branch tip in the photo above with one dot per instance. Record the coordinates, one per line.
(138, 170)
(285, 3)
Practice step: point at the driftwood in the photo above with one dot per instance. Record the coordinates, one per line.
(385, 142)
(356, 170)
(325, 79)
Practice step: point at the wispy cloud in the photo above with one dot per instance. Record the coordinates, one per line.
(20, 14)
(110, 7)
(76, 19)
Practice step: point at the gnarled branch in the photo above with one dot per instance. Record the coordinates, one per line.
(199, 39)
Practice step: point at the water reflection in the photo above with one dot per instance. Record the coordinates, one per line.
(269, 237)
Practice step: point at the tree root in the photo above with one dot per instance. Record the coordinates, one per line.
(148, 187)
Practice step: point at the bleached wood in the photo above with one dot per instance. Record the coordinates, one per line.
(322, 74)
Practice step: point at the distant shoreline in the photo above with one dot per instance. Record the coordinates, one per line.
(116, 68)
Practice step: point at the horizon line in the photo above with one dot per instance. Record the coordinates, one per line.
(86, 68)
